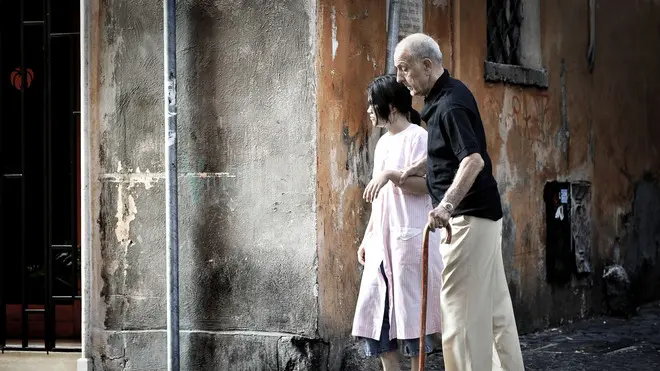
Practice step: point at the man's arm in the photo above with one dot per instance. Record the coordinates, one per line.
(463, 142)
(467, 173)
(414, 184)
(418, 169)
(456, 124)
(468, 170)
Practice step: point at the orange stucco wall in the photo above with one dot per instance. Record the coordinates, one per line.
(611, 115)
(351, 51)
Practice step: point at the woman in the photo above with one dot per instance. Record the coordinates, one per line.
(389, 303)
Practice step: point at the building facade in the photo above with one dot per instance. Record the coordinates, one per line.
(275, 149)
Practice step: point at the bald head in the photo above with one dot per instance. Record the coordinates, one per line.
(419, 47)
(418, 62)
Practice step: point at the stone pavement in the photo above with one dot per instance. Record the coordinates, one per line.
(597, 344)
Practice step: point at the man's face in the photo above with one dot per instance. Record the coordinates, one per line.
(414, 74)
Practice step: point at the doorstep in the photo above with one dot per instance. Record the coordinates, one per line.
(38, 361)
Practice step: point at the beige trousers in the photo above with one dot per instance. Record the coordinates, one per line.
(478, 326)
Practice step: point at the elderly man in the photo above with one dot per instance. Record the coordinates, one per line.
(476, 306)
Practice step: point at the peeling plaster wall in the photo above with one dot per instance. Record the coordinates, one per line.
(610, 117)
(268, 255)
(351, 52)
(247, 194)
(626, 152)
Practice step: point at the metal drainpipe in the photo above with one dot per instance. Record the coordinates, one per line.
(394, 14)
(86, 222)
(171, 201)
(392, 33)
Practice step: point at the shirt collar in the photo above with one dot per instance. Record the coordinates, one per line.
(437, 87)
(433, 95)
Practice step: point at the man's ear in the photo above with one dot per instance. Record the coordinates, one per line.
(428, 65)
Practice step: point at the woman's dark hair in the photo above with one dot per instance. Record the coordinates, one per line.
(385, 91)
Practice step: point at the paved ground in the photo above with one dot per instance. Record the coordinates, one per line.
(35, 361)
(595, 345)
(600, 344)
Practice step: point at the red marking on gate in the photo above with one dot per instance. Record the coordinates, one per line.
(16, 78)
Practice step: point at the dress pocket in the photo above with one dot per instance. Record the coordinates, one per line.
(406, 234)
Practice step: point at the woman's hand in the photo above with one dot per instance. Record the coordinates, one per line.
(361, 254)
(375, 185)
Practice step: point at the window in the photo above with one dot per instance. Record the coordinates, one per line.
(504, 21)
(514, 43)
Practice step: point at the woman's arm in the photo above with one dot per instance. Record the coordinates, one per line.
(413, 184)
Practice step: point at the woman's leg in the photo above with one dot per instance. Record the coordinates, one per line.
(411, 349)
(390, 361)
(385, 348)
(414, 363)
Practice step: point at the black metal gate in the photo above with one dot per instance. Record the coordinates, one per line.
(39, 192)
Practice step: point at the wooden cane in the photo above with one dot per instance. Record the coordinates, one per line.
(425, 289)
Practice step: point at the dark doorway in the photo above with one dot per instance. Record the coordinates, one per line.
(39, 174)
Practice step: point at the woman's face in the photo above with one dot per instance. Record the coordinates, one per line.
(372, 116)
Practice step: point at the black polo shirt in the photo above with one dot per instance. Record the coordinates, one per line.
(455, 131)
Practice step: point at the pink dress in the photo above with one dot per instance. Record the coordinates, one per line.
(394, 237)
